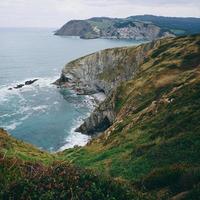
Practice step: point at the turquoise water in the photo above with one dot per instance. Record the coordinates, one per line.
(41, 113)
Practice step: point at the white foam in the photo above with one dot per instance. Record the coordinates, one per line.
(55, 102)
(5, 115)
(25, 109)
(40, 108)
(75, 138)
(50, 149)
(12, 126)
(25, 117)
(5, 93)
(79, 139)
(44, 82)
(100, 97)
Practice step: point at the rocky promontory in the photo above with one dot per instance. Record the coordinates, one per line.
(139, 27)
(148, 142)
(103, 71)
(113, 28)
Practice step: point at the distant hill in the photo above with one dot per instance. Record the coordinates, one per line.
(188, 25)
(140, 27)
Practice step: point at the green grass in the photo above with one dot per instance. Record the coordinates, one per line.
(27, 173)
(157, 127)
(151, 151)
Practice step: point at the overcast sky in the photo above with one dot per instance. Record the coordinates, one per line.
(54, 13)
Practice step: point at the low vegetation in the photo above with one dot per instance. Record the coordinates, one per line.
(154, 142)
(40, 175)
(151, 151)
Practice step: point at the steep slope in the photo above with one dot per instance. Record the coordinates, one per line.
(150, 149)
(76, 28)
(103, 70)
(114, 28)
(154, 138)
(28, 173)
(140, 27)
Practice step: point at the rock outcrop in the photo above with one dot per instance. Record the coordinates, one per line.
(101, 118)
(154, 140)
(30, 82)
(102, 72)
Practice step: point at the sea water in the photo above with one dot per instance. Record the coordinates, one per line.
(41, 113)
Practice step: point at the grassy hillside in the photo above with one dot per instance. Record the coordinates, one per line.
(155, 139)
(178, 25)
(27, 173)
(151, 151)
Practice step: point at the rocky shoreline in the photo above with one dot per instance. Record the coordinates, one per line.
(102, 72)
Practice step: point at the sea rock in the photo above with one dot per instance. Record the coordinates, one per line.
(19, 86)
(31, 82)
(22, 85)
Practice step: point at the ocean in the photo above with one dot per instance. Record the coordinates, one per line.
(41, 113)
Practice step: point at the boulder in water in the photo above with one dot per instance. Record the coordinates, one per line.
(30, 82)
(19, 86)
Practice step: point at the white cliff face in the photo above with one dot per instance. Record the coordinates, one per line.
(104, 70)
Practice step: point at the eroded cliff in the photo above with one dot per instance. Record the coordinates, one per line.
(150, 151)
(106, 70)
(154, 140)
(102, 72)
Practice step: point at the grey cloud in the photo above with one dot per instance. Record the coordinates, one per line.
(141, 3)
(57, 12)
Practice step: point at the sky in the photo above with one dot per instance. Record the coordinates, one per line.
(54, 13)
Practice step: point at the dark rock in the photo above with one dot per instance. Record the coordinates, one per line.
(62, 80)
(101, 118)
(95, 128)
(19, 86)
(22, 85)
(30, 82)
